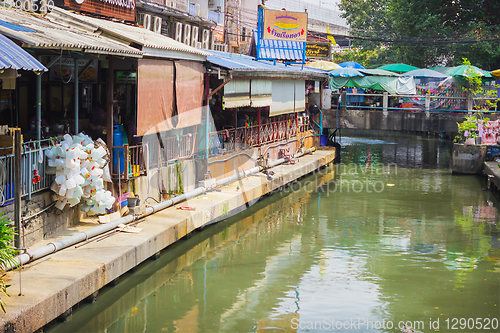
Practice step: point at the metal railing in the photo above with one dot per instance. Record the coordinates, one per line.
(151, 154)
(230, 140)
(33, 176)
(413, 103)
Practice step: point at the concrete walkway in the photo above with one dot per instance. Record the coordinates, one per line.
(54, 284)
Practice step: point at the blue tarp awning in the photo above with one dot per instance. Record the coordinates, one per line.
(13, 56)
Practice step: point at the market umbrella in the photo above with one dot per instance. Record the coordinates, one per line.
(352, 64)
(462, 70)
(345, 72)
(398, 68)
(379, 72)
(323, 64)
(425, 73)
(496, 73)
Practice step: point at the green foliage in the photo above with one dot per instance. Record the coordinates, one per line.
(7, 253)
(423, 32)
(362, 56)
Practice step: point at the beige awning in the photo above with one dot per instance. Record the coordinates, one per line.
(261, 93)
(237, 93)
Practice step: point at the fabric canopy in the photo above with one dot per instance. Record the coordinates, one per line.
(189, 92)
(323, 64)
(398, 68)
(345, 72)
(379, 72)
(393, 85)
(283, 98)
(237, 93)
(300, 96)
(352, 64)
(261, 93)
(155, 84)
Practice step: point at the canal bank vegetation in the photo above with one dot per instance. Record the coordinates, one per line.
(472, 127)
(7, 253)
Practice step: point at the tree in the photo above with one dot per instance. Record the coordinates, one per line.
(427, 33)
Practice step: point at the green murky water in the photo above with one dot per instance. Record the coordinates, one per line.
(390, 237)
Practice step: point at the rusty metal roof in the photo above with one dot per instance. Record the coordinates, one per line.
(123, 32)
(36, 31)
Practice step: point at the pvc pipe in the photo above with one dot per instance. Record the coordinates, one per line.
(82, 236)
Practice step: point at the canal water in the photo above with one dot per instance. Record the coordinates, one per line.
(389, 237)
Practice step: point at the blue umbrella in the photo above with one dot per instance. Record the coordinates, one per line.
(345, 72)
(352, 64)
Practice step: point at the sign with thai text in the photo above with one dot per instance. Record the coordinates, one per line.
(318, 50)
(121, 9)
(282, 25)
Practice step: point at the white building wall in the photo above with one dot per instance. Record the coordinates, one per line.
(321, 10)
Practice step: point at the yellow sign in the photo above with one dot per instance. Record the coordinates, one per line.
(330, 37)
(281, 25)
(318, 50)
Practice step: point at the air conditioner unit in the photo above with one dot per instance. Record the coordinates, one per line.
(205, 41)
(220, 47)
(144, 20)
(194, 36)
(178, 31)
(187, 34)
(157, 25)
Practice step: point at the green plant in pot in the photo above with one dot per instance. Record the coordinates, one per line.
(7, 254)
(469, 128)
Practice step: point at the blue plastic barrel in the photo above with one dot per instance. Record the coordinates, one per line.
(118, 153)
(322, 140)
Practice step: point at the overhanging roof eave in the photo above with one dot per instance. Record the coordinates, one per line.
(277, 74)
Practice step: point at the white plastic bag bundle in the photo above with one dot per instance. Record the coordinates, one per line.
(78, 167)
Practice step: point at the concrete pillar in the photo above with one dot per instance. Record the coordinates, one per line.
(427, 101)
(385, 103)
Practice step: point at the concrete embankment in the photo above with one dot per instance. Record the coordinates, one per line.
(54, 284)
(492, 172)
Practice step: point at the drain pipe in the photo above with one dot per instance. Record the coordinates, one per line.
(82, 236)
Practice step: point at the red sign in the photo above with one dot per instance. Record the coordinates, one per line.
(121, 9)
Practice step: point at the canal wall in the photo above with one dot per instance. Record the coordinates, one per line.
(53, 285)
(431, 122)
(42, 224)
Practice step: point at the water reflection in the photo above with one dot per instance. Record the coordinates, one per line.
(424, 247)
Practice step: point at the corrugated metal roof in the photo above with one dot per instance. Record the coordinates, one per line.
(14, 57)
(280, 50)
(124, 32)
(244, 63)
(39, 32)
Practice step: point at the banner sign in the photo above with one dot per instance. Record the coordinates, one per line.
(63, 70)
(282, 25)
(318, 50)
